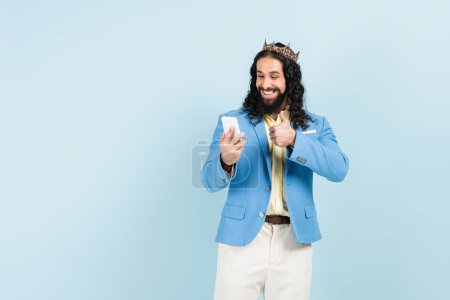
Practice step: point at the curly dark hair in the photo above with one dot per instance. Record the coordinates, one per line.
(294, 91)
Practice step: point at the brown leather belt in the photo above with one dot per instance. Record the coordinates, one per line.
(277, 220)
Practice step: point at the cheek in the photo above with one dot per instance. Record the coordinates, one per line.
(282, 86)
(258, 82)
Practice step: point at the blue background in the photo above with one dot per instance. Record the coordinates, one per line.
(103, 105)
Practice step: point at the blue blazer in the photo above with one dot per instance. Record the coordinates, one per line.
(316, 150)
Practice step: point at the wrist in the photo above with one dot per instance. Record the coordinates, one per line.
(294, 136)
(224, 165)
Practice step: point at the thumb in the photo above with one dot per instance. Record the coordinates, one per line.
(282, 117)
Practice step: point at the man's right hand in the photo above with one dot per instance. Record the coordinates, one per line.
(231, 147)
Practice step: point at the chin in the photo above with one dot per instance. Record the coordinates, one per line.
(271, 99)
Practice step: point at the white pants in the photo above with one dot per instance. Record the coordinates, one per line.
(273, 263)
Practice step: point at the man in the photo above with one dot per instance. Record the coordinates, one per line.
(269, 218)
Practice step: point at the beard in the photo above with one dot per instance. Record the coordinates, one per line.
(270, 107)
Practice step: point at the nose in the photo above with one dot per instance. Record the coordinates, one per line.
(266, 83)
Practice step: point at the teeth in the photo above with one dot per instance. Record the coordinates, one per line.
(267, 92)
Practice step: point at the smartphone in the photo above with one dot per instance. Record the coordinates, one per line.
(228, 122)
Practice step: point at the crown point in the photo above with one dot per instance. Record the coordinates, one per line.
(286, 50)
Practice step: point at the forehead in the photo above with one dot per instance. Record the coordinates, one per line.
(269, 64)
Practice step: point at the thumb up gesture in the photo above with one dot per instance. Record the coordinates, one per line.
(283, 134)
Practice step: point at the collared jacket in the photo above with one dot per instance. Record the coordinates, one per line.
(316, 150)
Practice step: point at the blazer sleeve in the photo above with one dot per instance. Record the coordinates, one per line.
(214, 177)
(321, 154)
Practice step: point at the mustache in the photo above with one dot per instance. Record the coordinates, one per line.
(275, 89)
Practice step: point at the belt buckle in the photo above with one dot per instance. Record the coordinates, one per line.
(272, 218)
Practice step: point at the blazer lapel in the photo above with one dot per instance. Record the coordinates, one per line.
(260, 131)
(288, 163)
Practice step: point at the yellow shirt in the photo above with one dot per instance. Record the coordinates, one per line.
(277, 201)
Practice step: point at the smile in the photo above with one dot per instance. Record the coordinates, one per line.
(268, 92)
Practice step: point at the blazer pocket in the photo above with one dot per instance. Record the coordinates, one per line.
(234, 212)
(310, 211)
(311, 131)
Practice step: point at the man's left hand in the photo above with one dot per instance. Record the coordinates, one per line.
(283, 134)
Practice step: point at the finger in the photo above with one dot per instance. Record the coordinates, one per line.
(222, 137)
(229, 134)
(240, 146)
(282, 117)
(237, 138)
(272, 128)
(240, 143)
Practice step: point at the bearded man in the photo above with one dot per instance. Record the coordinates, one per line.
(269, 220)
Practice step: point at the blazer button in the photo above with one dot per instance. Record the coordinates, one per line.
(301, 160)
(268, 189)
(261, 214)
(223, 181)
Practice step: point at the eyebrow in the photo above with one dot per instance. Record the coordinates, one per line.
(273, 72)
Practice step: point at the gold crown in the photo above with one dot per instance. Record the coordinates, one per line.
(286, 51)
